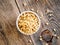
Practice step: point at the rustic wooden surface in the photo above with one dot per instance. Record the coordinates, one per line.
(10, 9)
(9, 34)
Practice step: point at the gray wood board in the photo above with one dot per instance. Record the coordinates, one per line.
(54, 22)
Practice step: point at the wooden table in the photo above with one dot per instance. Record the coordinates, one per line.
(10, 9)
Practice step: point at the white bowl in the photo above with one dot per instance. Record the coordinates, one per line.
(22, 31)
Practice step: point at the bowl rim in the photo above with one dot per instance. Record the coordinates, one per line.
(19, 28)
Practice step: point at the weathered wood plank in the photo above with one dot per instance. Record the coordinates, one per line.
(40, 6)
(8, 15)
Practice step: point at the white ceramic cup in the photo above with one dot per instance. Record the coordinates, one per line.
(18, 19)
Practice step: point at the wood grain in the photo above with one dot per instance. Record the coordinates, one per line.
(8, 15)
(10, 9)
